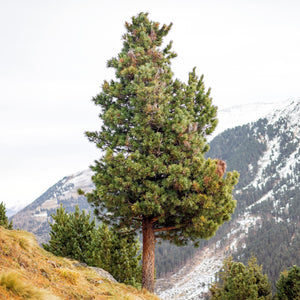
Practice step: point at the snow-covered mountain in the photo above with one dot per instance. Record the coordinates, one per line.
(266, 221)
(266, 152)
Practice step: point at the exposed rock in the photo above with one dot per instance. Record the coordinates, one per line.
(104, 274)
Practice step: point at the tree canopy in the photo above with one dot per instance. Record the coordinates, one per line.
(153, 175)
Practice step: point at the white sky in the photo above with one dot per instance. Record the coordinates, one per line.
(53, 58)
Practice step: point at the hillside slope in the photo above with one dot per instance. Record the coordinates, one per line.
(29, 272)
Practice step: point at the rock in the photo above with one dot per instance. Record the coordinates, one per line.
(104, 274)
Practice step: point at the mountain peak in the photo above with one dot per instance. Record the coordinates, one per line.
(289, 109)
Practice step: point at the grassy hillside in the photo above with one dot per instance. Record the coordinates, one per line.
(29, 272)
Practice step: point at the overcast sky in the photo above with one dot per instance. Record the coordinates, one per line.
(53, 58)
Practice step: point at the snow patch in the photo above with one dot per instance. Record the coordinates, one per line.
(194, 284)
(267, 196)
(41, 215)
(80, 180)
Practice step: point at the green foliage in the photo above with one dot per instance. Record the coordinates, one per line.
(70, 234)
(3, 218)
(74, 235)
(117, 253)
(240, 282)
(288, 285)
(154, 139)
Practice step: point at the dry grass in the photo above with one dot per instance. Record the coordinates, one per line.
(15, 285)
(29, 272)
(69, 275)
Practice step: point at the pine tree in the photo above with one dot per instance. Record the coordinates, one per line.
(154, 176)
(75, 236)
(288, 285)
(3, 218)
(239, 282)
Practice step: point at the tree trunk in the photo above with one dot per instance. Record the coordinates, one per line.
(148, 255)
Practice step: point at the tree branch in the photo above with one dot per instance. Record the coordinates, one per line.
(154, 220)
(157, 218)
(167, 228)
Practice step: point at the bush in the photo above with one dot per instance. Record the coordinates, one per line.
(240, 282)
